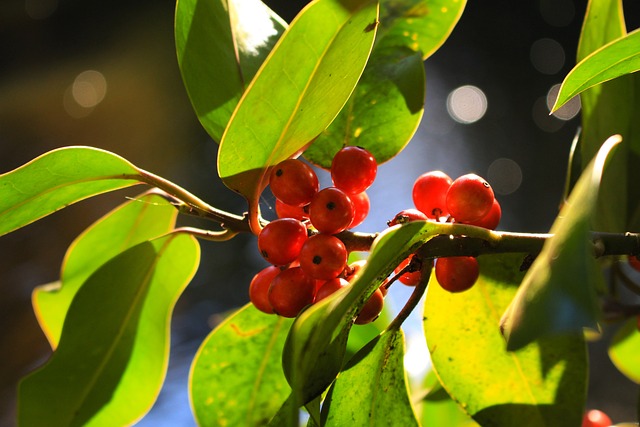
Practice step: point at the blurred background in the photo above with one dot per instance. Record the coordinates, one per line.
(105, 74)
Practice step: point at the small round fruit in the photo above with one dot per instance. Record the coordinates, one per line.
(283, 210)
(371, 309)
(353, 169)
(323, 257)
(469, 198)
(361, 206)
(281, 240)
(634, 262)
(596, 418)
(329, 287)
(410, 278)
(293, 182)
(291, 291)
(490, 220)
(259, 288)
(407, 215)
(457, 274)
(331, 211)
(430, 192)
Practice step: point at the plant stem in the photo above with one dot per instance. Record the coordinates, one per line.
(416, 295)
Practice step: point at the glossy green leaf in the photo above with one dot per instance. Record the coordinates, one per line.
(382, 113)
(315, 347)
(236, 377)
(220, 46)
(299, 90)
(136, 221)
(57, 179)
(113, 352)
(421, 25)
(624, 350)
(620, 57)
(543, 384)
(558, 294)
(372, 388)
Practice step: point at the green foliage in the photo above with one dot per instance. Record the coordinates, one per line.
(624, 350)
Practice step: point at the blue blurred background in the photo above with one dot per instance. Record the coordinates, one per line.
(105, 74)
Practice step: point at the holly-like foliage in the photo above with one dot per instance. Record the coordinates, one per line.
(504, 314)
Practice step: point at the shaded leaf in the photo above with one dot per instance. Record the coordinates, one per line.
(542, 384)
(136, 221)
(57, 179)
(437, 409)
(558, 294)
(220, 45)
(624, 350)
(113, 352)
(372, 389)
(299, 90)
(236, 377)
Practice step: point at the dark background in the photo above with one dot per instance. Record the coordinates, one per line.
(146, 117)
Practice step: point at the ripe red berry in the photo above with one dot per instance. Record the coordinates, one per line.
(259, 288)
(430, 192)
(407, 215)
(287, 211)
(293, 182)
(371, 309)
(410, 278)
(291, 291)
(361, 206)
(596, 418)
(634, 262)
(281, 240)
(353, 169)
(323, 257)
(329, 287)
(469, 198)
(331, 211)
(457, 274)
(490, 220)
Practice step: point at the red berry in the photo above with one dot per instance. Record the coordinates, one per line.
(469, 198)
(323, 257)
(353, 169)
(281, 240)
(287, 211)
(331, 211)
(361, 207)
(430, 192)
(411, 278)
(634, 262)
(596, 418)
(291, 291)
(259, 288)
(371, 309)
(329, 287)
(293, 182)
(490, 220)
(407, 215)
(457, 274)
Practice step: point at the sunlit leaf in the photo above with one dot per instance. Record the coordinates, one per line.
(299, 90)
(558, 294)
(620, 57)
(624, 350)
(136, 221)
(372, 388)
(437, 409)
(542, 384)
(236, 377)
(220, 45)
(113, 352)
(57, 179)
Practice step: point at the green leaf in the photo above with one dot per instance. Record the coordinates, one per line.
(113, 352)
(315, 347)
(220, 46)
(236, 377)
(421, 25)
(372, 389)
(620, 57)
(299, 90)
(624, 350)
(136, 221)
(558, 294)
(543, 384)
(57, 179)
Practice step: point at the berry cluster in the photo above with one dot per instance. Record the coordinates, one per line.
(308, 261)
(467, 200)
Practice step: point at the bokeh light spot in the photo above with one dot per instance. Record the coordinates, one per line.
(87, 90)
(569, 110)
(547, 56)
(558, 13)
(505, 176)
(467, 104)
(40, 9)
